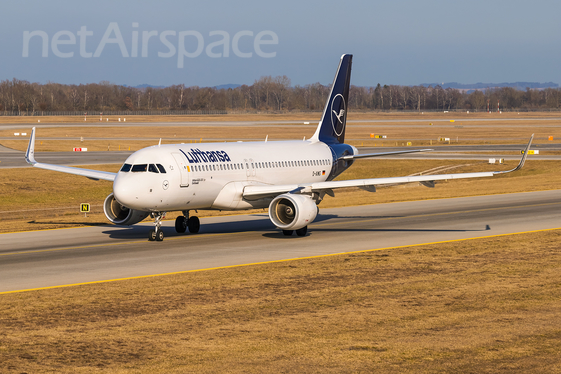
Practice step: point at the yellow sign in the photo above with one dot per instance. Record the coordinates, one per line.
(85, 208)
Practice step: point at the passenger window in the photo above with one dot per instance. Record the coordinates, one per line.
(161, 168)
(139, 168)
(126, 168)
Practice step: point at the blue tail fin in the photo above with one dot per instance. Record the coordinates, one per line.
(331, 129)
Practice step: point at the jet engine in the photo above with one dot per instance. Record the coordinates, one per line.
(121, 215)
(292, 212)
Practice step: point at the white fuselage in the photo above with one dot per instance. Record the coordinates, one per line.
(213, 175)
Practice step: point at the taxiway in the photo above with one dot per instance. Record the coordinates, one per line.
(40, 259)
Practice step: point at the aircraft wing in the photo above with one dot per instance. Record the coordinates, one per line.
(252, 192)
(92, 174)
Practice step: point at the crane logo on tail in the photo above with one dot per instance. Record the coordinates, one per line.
(338, 114)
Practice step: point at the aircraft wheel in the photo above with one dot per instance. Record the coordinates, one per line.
(181, 224)
(152, 235)
(160, 235)
(194, 224)
(287, 232)
(302, 231)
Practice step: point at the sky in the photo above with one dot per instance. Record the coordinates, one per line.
(209, 43)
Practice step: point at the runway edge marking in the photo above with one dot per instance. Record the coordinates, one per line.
(274, 261)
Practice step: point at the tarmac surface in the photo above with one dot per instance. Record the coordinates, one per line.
(49, 258)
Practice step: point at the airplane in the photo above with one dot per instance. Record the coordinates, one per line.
(290, 178)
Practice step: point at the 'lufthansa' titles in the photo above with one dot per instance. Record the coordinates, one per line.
(196, 155)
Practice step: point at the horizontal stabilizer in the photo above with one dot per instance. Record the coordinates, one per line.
(381, 154)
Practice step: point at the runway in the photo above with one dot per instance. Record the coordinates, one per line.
(70, 256)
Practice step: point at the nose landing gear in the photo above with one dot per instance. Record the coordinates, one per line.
(156, 233)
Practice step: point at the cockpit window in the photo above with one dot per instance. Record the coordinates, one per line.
(152, 168)
(161, 168)
(139, 168)
(126, 168)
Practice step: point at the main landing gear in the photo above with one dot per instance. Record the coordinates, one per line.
(184, 222)
(299, 232)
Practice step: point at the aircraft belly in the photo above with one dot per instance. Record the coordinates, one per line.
(196, 196)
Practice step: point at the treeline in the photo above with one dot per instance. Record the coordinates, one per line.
(19, 97)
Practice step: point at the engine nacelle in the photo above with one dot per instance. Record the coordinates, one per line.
(121, 215)
(292, 212)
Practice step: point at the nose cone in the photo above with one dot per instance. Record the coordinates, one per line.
(124, 191)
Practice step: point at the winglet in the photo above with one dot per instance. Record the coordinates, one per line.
(522, 160)
(30, 153)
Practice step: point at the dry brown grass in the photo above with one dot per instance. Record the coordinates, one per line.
(508, 129)
(273, 116)
(484, 305)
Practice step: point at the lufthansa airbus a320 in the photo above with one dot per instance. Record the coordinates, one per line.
(290, 178)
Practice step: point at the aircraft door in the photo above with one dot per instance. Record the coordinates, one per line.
(252, 165)
(183, 168)
(246, 165)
